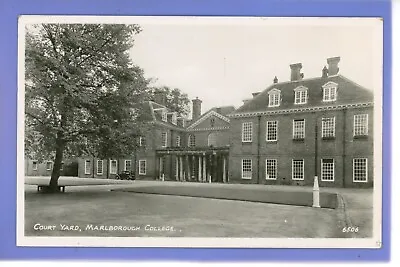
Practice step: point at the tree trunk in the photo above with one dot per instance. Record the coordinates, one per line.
(57, 165)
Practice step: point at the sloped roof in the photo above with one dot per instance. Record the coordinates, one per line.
(221, 112)
(347, 92)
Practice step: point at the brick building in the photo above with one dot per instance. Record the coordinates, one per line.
(296, 129)
(286, 134)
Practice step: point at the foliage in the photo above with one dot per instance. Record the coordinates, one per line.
(81, 88)
(174, 98)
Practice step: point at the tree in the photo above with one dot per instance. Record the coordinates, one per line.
(81, 86)
(175, 99)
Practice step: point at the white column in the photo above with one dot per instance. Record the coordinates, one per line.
(177, 168)
(161, 168)
(181, 168)
(204, 168)
(316, 193)
(199, 173)
(224, 170)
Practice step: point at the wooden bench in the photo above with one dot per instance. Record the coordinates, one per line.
(41, 188)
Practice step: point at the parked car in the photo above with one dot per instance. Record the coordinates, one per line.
(125, 175)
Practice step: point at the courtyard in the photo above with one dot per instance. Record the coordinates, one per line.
(125, 209)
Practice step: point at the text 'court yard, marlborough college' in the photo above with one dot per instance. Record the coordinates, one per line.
(284, 135)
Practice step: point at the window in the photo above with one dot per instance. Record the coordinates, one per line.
(142, 141)
(212, 139)
(34, 165)
(174, 118)
(298, 169)
(298, 129)
(164, 139)
(360, 167)
(300, 95)
(328, 127)
(192, 141)
(88, 167)
(142, 167)
(272, 131)
(327, 170)
(99, 167)
(247, 132)
(329, 93)
(247, 172)
(274, 99)
(164, 115)
(270, 169)
(113, 166)
(49, 165)
(178, 141)
(360, 124)
(212, 122)
(128, 165)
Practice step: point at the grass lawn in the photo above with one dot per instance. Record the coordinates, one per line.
(189, 217)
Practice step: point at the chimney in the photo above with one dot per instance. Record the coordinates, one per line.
(255, 94)
(324, 72)
(196, 111)
(218, 110)
(333, 68)
(295, 72)
(276, 79)
(159, 97)
(245, 101)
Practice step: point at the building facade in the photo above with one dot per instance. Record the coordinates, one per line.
(295, 130)
(286, 135)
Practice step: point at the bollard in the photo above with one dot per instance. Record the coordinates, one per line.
(316, 193)
(163, 177)
(210, 179)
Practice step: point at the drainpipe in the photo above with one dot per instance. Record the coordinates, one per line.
(258, 149)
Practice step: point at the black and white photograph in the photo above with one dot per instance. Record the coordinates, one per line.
(199, 132)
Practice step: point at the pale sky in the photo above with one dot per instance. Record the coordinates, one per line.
(223, 63)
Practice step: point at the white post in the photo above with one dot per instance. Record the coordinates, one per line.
(316, 193)
(224, 171)
(199, 173)
(181, 168)
(163, 177)
(204, 169)
(161, 168)
(177, 168)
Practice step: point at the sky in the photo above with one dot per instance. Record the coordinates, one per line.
(223, 61)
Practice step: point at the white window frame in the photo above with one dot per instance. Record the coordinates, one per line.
(174, 118)
(34, 163)
(178, 141)
(274, 99)
(357, 126)
(323, 170)
(251, 169)
(116, 166)
(267, 131)
(247, 136)
(125, 161)
(191, 140)
(302, 171)
(145, 167)
(275, 166)
(86, 165)
(97, 167)
(366, 171)
(164, 116)
(324, 128)
(215, 139)
(300, 95)
(164, 142)
(303, 135)
(51, 165)
(141, 142)
(329, 90)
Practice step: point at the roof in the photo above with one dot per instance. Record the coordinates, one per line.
(220, 112)
(348, 93)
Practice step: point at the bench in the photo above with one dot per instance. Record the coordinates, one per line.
(42, 188)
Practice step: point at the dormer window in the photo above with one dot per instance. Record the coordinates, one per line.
(174, 118)
(164, 115)
(300, 95)
(329, 92)
(274, 98)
